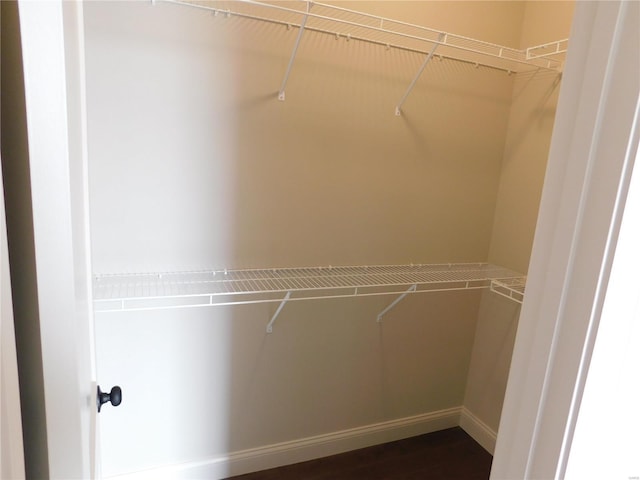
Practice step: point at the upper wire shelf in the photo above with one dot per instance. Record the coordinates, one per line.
(354, 25)
(150, 291)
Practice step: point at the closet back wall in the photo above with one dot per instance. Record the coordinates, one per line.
(194, 163)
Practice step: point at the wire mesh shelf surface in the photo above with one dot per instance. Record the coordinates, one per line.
(512, 288)
(143, 291)
(354, 25)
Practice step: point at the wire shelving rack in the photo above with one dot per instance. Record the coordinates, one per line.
(351, 25)
(512, 288)
(151, 291)
(348, 24)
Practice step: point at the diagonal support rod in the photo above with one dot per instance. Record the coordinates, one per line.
(275, 315)
(293, 54)
(412, 288)
(415, 79)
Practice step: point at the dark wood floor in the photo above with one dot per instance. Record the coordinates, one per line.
(447, 454)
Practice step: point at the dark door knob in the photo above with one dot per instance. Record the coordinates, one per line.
(114, 396)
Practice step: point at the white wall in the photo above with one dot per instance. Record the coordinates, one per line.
(531, 119)
(527, 141)
(180, 101)
(200, 384)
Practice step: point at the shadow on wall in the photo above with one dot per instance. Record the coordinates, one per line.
(536, 95)
(331, 175)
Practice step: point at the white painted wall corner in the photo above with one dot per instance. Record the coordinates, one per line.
(285, 453)
(478, 430)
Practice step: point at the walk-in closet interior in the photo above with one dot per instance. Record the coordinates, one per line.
(310, 224)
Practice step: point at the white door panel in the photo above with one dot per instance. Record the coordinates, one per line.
(52, 54)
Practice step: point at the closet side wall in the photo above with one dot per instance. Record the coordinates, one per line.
(533, 109)
(526, 150)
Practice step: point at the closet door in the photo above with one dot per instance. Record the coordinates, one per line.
(52, 260)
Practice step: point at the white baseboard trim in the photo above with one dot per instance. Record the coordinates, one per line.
(478, 430)
(318, 446)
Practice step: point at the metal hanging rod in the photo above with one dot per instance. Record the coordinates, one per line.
(498, 53)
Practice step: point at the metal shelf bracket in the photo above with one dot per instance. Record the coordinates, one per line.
(275, 315)
(412, 288)
(415, 79)
(281, 94)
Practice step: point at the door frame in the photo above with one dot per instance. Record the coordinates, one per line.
(588, 174)
(11, 441)
(55, 281)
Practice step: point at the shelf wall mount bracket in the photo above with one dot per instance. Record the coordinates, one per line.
(411, 289)
(281, 94)
(275, 315)
(429, 56)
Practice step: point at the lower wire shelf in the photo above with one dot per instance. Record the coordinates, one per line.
(152, 291)
(512, 288)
